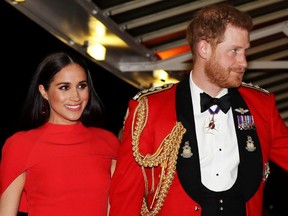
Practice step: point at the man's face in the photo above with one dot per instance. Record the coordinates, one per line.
(227, 63)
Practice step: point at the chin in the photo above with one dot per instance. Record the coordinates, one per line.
(233, 84)
(236, 84)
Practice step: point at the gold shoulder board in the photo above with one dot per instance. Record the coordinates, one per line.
(250, 85)
(152, 90)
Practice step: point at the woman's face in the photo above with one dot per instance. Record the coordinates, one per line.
(67, 95)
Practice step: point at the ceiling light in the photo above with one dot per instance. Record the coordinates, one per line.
(18, 1)
(96, 51)
(160, 74)
(162, 77)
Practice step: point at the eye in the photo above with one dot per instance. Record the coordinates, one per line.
(82, 85)
(64, 87)
(246, 50)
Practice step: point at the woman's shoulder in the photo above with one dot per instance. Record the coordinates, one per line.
(108, 141)
(20, 136)
(101, 132)
(27, 134)
(19, 142)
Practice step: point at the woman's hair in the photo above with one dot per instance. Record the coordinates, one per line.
(211, 22)
(36, 109)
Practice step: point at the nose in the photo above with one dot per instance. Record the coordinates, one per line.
(242, 60)
(74, 96)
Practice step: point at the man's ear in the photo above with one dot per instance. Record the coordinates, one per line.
(203, 49)
(43, 92)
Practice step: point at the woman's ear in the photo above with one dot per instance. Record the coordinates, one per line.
(43, 92)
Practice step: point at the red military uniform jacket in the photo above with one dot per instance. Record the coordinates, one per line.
(158, 124)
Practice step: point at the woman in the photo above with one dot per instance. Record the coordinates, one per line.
(61, 161)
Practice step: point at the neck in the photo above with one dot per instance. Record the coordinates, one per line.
(204, 84)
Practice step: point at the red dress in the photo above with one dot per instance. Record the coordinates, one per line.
(67, 169)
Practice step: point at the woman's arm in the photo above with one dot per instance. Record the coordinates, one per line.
(10, 199)
(113, 166)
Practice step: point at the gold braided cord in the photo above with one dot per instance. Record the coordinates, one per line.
(165, 157)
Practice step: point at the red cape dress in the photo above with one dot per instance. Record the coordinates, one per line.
(67, 169)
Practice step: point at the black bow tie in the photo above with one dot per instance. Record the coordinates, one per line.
(207, 101)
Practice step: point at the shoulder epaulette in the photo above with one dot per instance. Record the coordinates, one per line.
(250, 85)
(152, 90)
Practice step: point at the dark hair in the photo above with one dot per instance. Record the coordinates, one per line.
(210, 24)
(36, 109)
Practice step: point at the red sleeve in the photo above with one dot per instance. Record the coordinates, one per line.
(271, 128)
(279, 131)
(127, 186)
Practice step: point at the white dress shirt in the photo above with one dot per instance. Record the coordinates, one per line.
(218, 148)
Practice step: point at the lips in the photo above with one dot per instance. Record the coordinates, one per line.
(238, 70)
(73, 107)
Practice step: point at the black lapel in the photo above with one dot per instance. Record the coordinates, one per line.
(251, 162)
(188, 169)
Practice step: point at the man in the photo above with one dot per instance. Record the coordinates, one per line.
(202, 146)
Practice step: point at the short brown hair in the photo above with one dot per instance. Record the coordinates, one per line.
(210, 24)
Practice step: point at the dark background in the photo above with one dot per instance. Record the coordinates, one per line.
(23, 46)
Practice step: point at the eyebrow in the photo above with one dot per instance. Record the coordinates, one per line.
(61, 83)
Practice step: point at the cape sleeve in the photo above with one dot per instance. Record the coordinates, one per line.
(112, 142)
(13, 163)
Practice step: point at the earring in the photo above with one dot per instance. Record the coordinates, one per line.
(44, 107)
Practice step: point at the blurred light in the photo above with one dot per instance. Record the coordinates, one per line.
(100, 34)
(97, 29)
(96, 51)
(160, 74)
(18, 1)
(162, 77)
(173, 52)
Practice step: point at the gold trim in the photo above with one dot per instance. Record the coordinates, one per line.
(165, 157)
(256, 87)
(152, 90)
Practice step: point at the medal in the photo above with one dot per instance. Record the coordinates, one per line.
(266, 171)
(250, 144)
(241, 110)
(186, 153)
(211, 125)
(245, 122)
